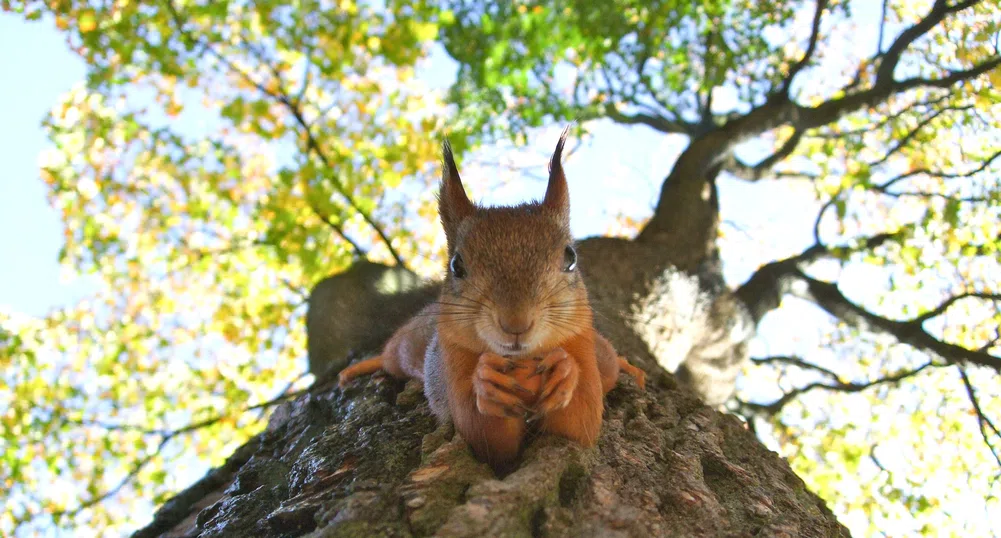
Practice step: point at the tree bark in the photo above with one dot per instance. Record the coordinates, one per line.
(371, 460)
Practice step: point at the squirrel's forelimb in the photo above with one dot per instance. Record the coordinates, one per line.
(403, 354)
(573, 397)
(481, 402)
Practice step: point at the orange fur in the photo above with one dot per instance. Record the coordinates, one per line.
(494, 439)
(638, 375)
(403, 354)
(364, 367)
(580, 420)
(513, 289)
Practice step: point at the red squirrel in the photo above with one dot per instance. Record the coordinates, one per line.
(511, 342)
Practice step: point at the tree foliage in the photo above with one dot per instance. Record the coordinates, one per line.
(221, 157)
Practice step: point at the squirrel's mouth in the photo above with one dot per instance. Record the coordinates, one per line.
(512, 347)
(516, 347)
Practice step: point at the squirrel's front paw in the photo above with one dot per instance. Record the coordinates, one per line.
(497, 393)
(561, 374)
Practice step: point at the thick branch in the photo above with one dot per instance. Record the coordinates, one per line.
(763, 292)
(782, 110)
(825, 113)
(683, 188)
(954, 77)
(891, 57)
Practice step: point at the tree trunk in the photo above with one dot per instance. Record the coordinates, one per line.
(371, 460)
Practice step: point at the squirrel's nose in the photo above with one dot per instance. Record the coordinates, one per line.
(516, 324)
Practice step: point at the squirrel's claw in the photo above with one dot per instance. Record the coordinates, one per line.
(495, 408)
(560, 383)
(494, 369)
(551, 359)
(495, 390)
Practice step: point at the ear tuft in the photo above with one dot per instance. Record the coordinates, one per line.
(453, 204)
(557, 193)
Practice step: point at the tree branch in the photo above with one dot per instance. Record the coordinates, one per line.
(311, 142)
(780, 109)
(165, 437)
(777, 405)
(739, 169)
(742, 170)
(882, 187)
(657, 122)
(940, 309)
(882, 28)
(830, 111)
(906, 139)
(764, 291)
(954, 77)
(683, 210)
(800, 363)
(810, 49)
(983, 421)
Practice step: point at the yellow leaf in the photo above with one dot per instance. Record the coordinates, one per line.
(88, 23)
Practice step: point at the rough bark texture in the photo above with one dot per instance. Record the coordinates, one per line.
(371, 461)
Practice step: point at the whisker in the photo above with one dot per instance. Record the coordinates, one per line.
(578, 314)
(470, 299)
(571, 302)
(568, 312)
(556, 289)
(569, 328)
(482, 294)
(569, 308)
(459, 305)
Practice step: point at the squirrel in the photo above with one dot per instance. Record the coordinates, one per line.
(510, 344)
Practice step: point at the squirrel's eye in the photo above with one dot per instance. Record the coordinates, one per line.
(457, 267)
(569, 259)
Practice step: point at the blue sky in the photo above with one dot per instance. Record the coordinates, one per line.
(30, 230)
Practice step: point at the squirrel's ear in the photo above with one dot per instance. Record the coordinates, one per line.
(557, 193)
(453, 204)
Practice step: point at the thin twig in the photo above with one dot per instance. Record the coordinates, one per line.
(311, 142)
(983, 421)
(166, 438)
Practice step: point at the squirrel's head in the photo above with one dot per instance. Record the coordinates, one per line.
(513, 284)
